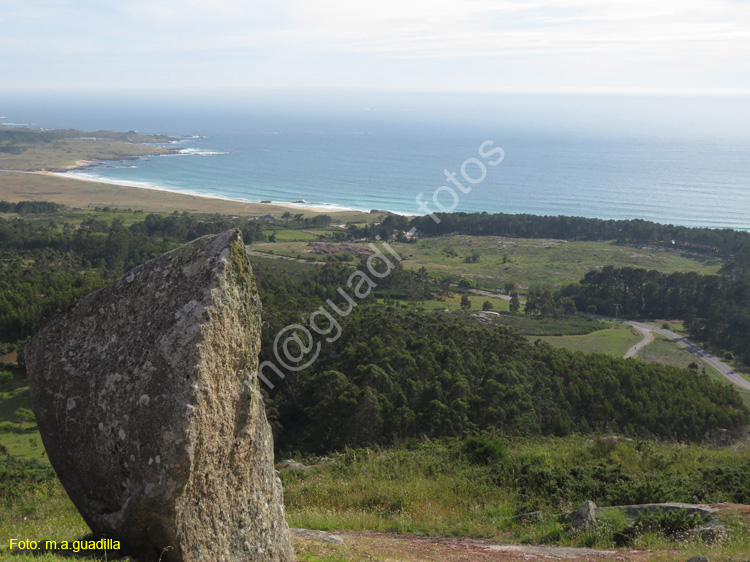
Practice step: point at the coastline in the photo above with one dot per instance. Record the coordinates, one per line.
(68, 172)
(44, 173)
(57, 187)
(298, 206)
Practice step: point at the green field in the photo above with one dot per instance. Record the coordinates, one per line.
(612, 341)
(665, 351)
(547, 326)
(532, 262)
(676, 326)
(302, 235)
(529, 262)
(453, 302)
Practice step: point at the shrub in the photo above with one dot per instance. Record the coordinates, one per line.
(6, 379)
(727, 483)
(464, 283)
(670, 524)
(18, 476)
(483, 449)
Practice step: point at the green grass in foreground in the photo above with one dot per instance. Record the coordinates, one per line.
(440, 489)
(615, 340)
(468, 488)
(44, 513)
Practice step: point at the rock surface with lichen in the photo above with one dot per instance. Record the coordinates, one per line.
(139, 396)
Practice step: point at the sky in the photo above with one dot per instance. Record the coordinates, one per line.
(625, 46)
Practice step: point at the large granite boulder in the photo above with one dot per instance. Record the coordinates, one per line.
(139, 396)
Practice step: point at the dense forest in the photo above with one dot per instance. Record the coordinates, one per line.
(395, 374)
(392, 374)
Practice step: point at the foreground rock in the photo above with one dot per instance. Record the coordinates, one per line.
(138, 392)
(707, 524)
(584, 517)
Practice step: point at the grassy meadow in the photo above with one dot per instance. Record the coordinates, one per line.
(613, 340)
(524, 262)
(662, 350)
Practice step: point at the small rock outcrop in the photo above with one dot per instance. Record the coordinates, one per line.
(318, 536)
(139, 396)
(584, 517)
(291, 464)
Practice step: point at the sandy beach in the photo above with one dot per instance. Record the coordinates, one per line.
(76, 192)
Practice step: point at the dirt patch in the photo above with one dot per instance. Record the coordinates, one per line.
(11, 357)
(387, 547)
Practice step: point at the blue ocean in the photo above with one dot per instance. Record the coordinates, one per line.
(677, 161)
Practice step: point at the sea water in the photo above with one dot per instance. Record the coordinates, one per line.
(577, 157)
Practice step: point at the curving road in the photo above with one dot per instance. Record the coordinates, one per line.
(648, 336)
(647, 331)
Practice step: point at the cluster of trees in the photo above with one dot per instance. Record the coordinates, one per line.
(29, 207)
(14, 141)
(395, 374)
(48, 264)
(300, 219)
(185, 227)
(716, 309)
(29, 295)
(546, 303)
(636, 231)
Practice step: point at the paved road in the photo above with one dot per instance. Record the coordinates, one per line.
(647, 330)
(648, 337)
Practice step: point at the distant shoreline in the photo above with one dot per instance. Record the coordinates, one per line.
(16, 186)
(87, 164)
(43, 171)
(68, 173)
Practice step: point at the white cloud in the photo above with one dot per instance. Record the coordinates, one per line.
(399, 43)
